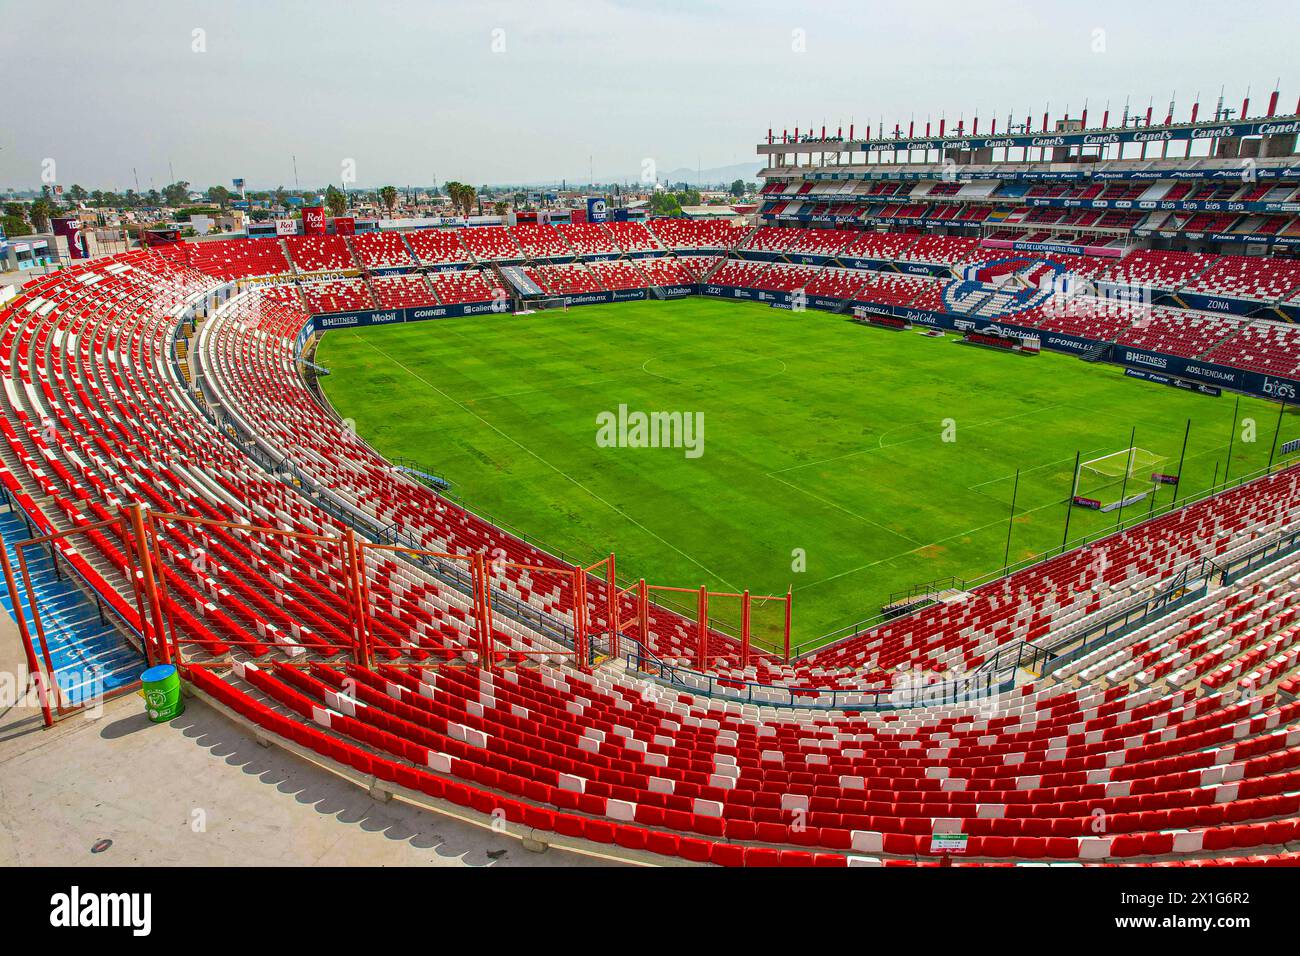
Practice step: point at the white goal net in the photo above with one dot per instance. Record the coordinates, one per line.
(1103, 479)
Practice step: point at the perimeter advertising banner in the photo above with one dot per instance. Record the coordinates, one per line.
(345, 226)
(69, 227)
(596, 211)
(313, 220)
(286, 227)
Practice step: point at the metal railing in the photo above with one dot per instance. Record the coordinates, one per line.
(976, 689)
(849, 631)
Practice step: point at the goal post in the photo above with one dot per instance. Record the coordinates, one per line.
(1131, 472)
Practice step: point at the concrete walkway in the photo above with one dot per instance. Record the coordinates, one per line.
(198, 791)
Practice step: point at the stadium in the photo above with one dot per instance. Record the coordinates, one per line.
(939, 508)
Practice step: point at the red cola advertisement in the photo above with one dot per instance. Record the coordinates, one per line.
(313, 220)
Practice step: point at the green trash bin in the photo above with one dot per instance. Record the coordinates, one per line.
(162, 693)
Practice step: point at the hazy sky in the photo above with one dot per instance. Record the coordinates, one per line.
(486, 91)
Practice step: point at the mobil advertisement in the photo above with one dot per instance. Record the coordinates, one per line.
(423, 313)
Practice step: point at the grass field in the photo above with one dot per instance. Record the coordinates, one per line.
(825, 464)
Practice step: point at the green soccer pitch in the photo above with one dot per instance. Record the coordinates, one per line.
(846, 462)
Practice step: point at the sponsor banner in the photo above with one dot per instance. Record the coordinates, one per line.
(286, 227)
(808, 259)
(313, 220)
(330, 274)
(1169, 380)
(922, 268)
(1290, 446)
(677, 291)
(737, 292)
(1219, 303)
(345, 226)
(1268, 386)
(1057, 247)
(1241, 239)
(366, 319)
(1162, 205)
(350, 320)
(256, 282)
(1060, 342)
(596, 211)
(69, 227)
(589, 298)
(382, 271)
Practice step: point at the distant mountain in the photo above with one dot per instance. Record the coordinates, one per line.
(713, 175)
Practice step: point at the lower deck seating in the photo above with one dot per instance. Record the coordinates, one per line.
(338, 295)
(619, 273)
(565, 279)
(468, 285)
(402, 292)
(1269, 347)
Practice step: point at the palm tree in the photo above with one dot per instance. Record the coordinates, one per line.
(39, 214)
(335, 200)
(388, 196)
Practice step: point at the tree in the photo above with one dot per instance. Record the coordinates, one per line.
(219, 195)
(77, 194)
(14, 226)
(738, 188)
(279, 196)
(665, 204)
(335, 200)
(501, 208)
(39, 214)
(177, 193)
(388, 197)
(462, 198)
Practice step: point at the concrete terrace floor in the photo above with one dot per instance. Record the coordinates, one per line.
(148, 787)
